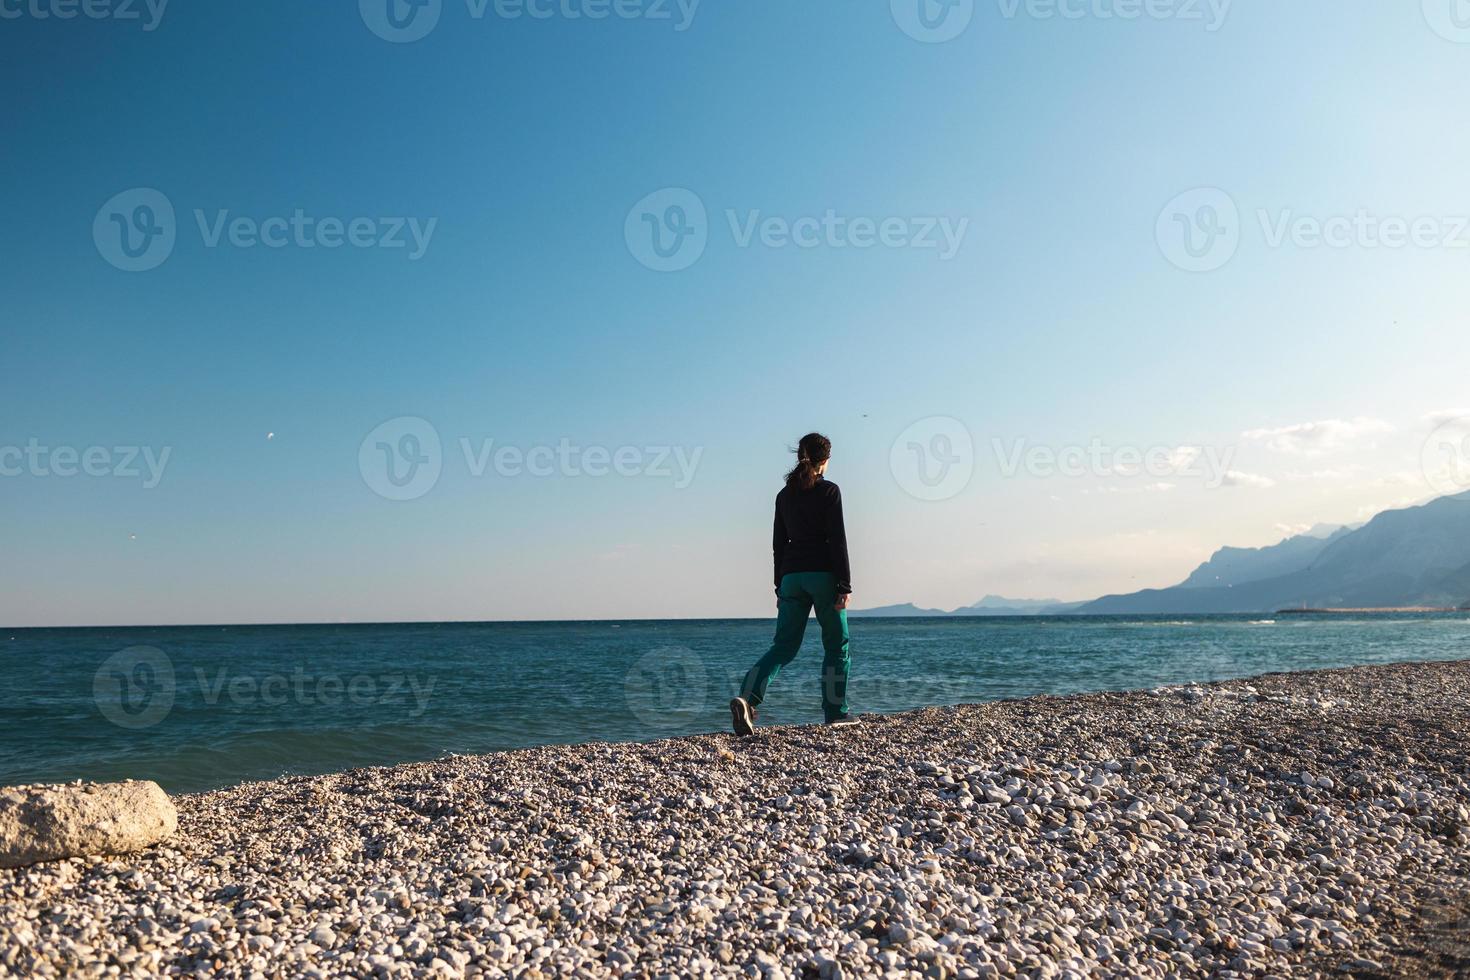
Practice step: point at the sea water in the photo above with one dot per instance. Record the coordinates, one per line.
(201, 707)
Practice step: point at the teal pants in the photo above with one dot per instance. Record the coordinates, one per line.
(799, 593)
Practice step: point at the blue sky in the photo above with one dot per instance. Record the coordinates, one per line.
(1055, 149)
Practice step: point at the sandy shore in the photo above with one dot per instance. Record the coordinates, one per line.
(1291, 825)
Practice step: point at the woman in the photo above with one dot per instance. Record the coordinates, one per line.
(810, 546)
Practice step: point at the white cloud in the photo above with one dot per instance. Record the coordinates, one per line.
(1447, 415)
(1368, 511)
(1235, 478)
(1332, 473)
(1311, 438)
(1292, 530)
(1183, 457)
(1399, 478)
(1149, 488)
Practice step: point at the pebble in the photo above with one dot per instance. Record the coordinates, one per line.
(1281, 826)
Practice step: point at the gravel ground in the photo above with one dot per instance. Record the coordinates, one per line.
(1289, 825)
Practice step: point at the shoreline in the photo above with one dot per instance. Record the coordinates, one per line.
(1369, 610)
(858, 613)
(1291, 823)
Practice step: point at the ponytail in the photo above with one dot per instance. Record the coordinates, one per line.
(813, 450)
(803, 476)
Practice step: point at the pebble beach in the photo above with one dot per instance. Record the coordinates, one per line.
(1309, 824)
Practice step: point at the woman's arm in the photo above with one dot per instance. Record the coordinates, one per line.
(778, 544)
(837, 544)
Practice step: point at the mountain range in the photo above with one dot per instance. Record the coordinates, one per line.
(991, 605)
(1412, 557)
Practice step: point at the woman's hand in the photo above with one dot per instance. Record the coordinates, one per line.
(842, 600)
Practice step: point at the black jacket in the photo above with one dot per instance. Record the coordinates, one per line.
(809, 535)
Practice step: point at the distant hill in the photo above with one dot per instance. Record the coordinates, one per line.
(991, 605)
(1418, 556)
(1001, 603)
(905, 609)
(1235, 566)
(994, 605)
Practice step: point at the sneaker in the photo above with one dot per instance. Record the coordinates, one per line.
(843, 720)
(743, 716)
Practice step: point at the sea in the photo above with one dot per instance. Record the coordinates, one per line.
(201, 707)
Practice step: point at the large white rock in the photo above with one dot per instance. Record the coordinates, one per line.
(45, 823)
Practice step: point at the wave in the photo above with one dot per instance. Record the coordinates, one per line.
(1152, 622)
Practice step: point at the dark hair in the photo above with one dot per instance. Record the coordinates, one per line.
(813, 450)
